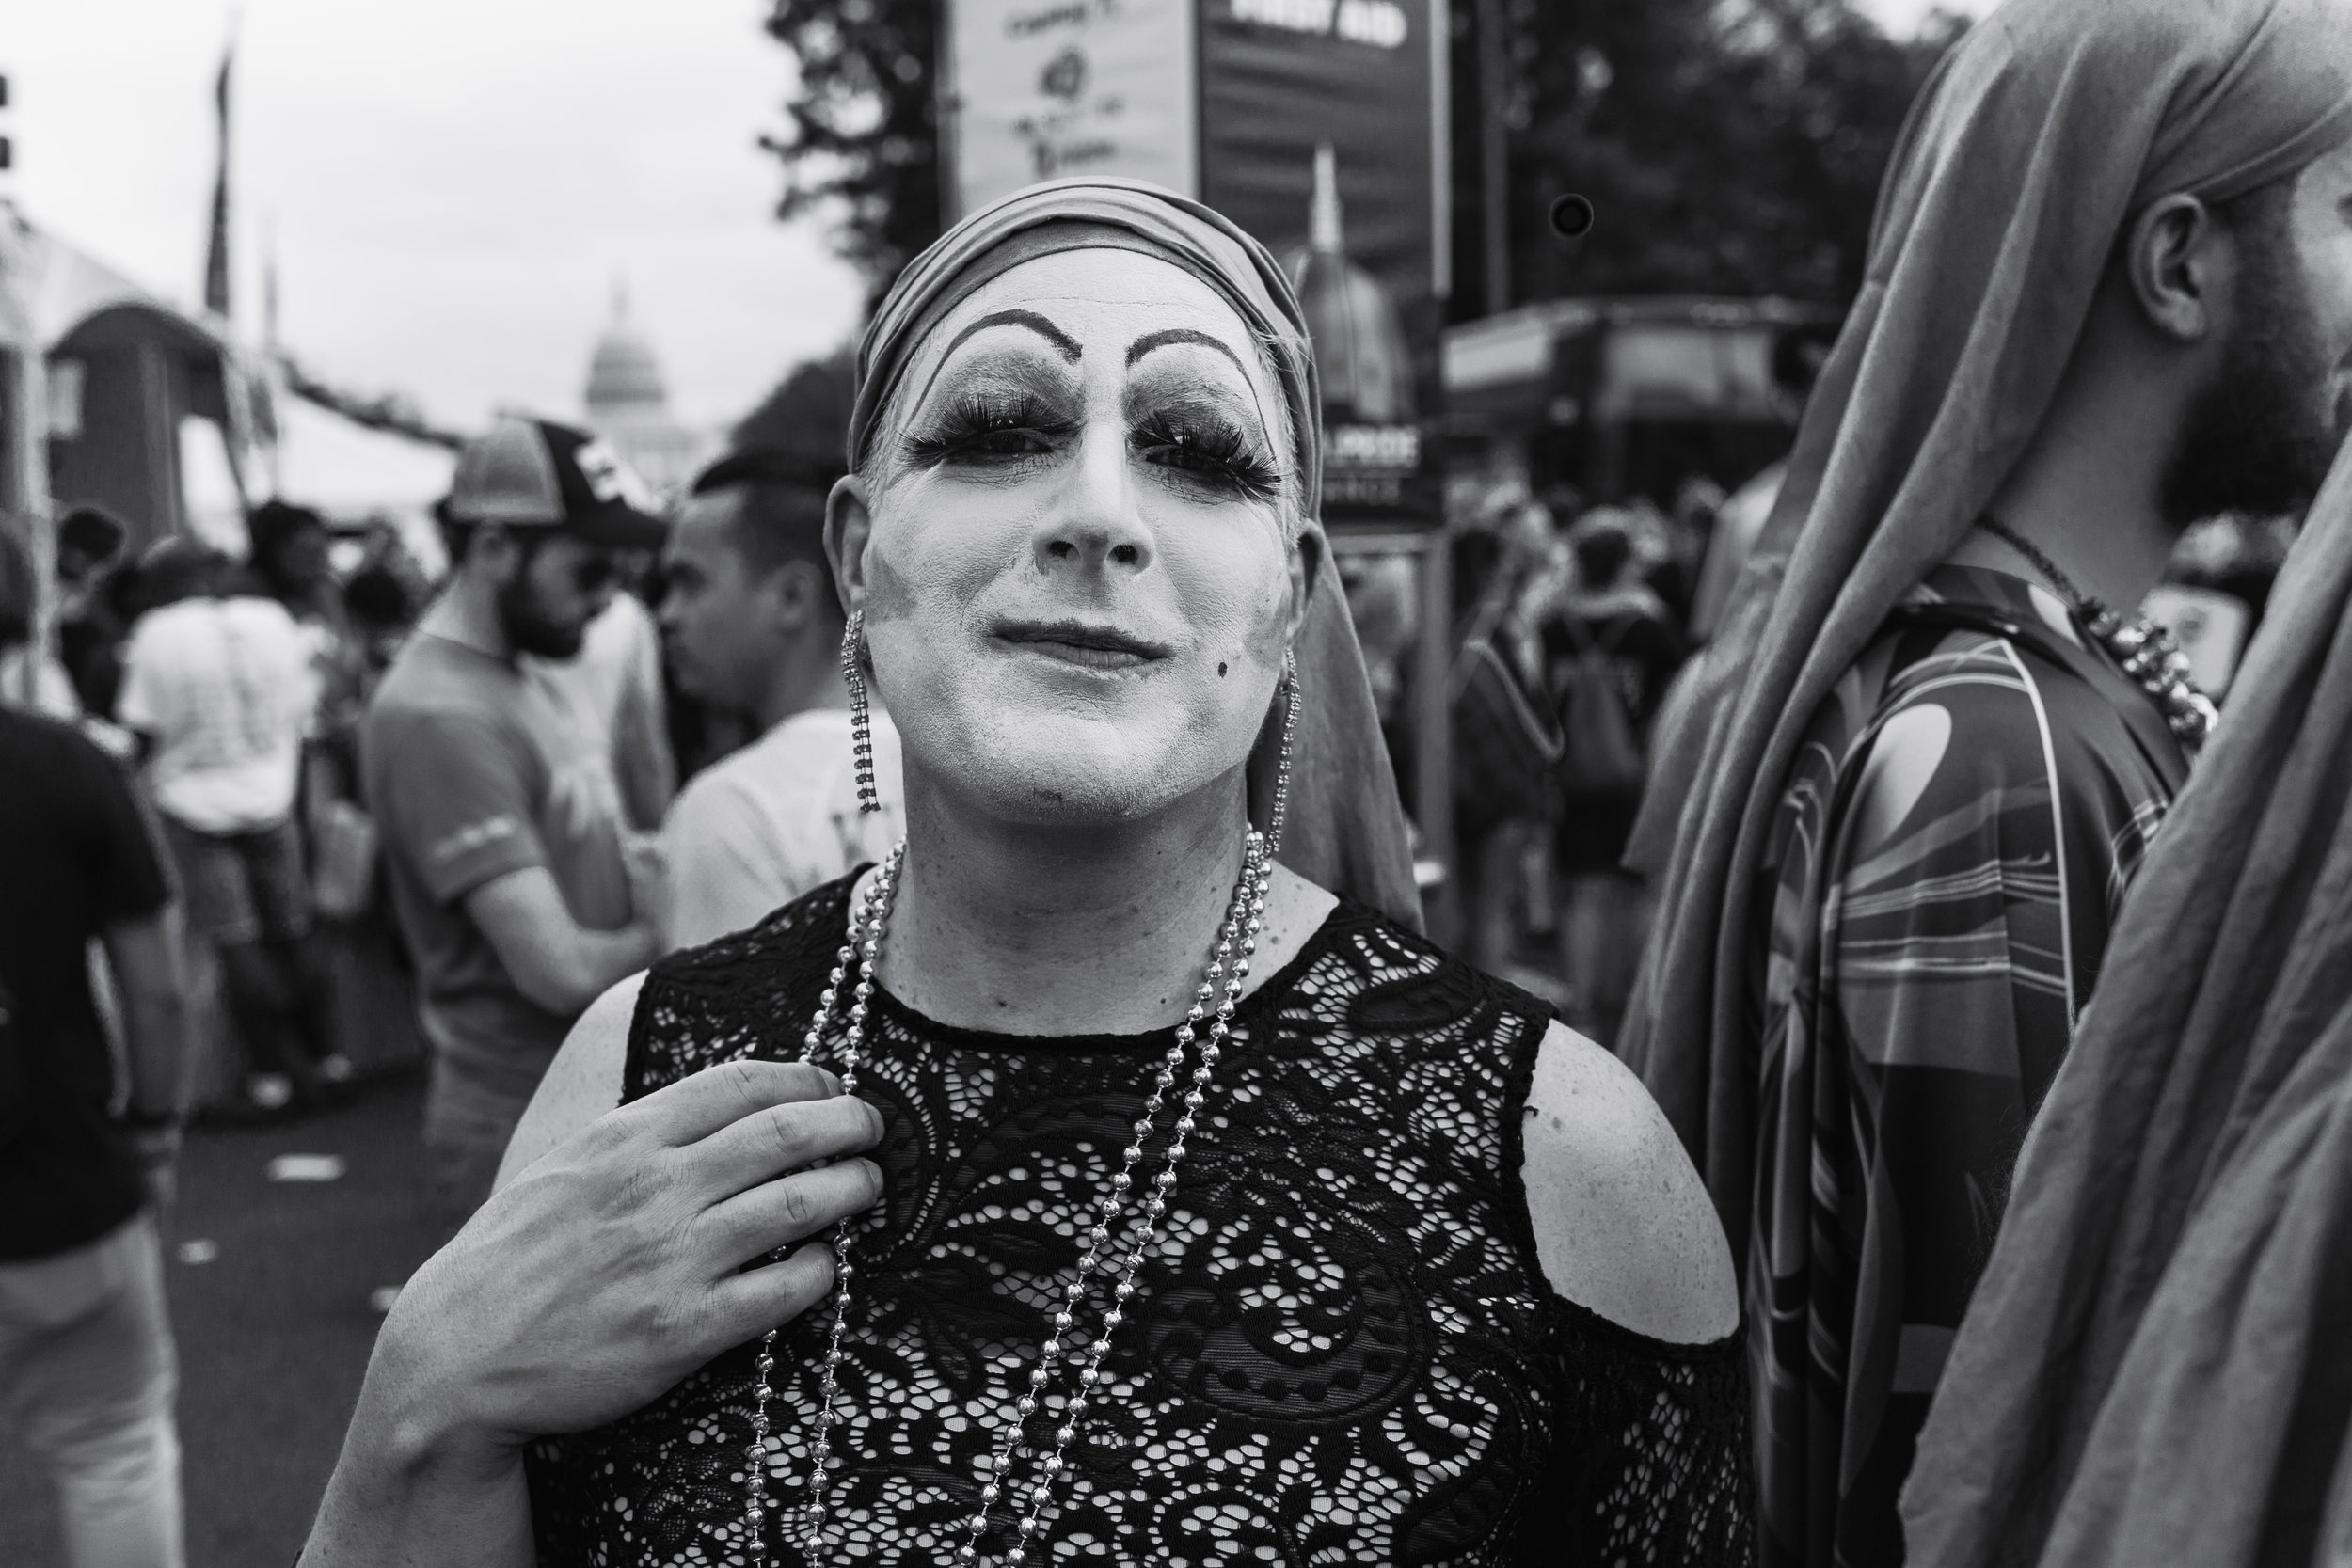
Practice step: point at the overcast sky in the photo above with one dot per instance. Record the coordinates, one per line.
(453, 187)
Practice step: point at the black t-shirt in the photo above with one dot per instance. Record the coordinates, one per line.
(75, 858)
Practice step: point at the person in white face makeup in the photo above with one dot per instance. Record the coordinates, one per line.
(1079, 1184)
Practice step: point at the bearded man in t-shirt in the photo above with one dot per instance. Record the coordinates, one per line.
(517, 884)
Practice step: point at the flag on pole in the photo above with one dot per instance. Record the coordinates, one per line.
(216, 251)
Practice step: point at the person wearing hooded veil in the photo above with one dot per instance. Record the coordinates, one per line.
(2156, 1368)
(2106, 295)
(1152, 1203)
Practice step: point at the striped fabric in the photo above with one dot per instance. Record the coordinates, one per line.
(1957, 833)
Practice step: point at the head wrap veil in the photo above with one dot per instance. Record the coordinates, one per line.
(1347, 830)
(2047, 126)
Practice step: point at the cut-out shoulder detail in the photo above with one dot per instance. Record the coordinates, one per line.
(581, 1084)
(1343, 1352)
(1623, 1224)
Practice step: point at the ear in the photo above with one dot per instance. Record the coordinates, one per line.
(794, 592)
(849, 524)
(2177, 260)
(1308, 559)
(496, 554)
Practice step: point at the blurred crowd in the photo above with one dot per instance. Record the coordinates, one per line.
(1572, 621)
(359, 800)
(235, 691)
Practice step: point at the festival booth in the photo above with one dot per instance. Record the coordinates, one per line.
(111, 376)
(1623, 396)
(112, 397)
(1320, 126)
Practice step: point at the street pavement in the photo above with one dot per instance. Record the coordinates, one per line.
(274, 1327)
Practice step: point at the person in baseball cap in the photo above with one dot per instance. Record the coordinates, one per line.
(534, 516)
(536, 474)
(517, 882)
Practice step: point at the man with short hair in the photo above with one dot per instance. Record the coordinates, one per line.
(219, 687)
(2109, 292)
(753, 624)
(87, 1375)
(517, 884)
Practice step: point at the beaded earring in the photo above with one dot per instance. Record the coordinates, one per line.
(1282, 759)
(861, 723)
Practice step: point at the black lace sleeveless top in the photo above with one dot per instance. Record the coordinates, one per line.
(1345, 1352)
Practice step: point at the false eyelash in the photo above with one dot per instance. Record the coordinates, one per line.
(978, 418)
(1215, 451)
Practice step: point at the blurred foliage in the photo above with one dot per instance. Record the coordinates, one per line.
(1728, 146)
(863, 145)
(807, 417)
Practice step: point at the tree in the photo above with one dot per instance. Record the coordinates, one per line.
(805, 418)
(1728, 148)
(864, 139)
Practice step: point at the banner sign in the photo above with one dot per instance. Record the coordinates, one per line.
(1044, 90)
(1317, 125)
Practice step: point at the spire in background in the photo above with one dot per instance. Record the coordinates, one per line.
(1322, 213)
(269, 286)
(216, 249)
(1360, 346)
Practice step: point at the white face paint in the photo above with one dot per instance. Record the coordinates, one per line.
(1074, 563)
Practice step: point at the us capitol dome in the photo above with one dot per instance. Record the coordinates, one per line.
(628, 404)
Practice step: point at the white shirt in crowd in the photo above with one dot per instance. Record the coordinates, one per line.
(756, 829)
(227, 689)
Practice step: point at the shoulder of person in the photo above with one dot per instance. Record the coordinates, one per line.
(796, 771)
(428, 744)
(720, 802)
(421, 689)
(266, 612)
(54, 749)
(1622, 1225)
(159, 627)
(583, 1082)
(1979, 733)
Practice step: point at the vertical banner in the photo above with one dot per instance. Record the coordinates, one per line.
(1042, 90)
(1321, 135)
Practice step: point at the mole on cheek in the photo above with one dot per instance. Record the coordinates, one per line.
(1220, 670)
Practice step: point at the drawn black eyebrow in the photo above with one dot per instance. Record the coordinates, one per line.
(1063, 343)
(1151, 341)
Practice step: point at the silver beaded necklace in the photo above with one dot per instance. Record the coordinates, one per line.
(1135, 1233)
(2147, 651)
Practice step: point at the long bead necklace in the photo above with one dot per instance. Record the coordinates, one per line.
(1227, 971)
(2148, 652)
